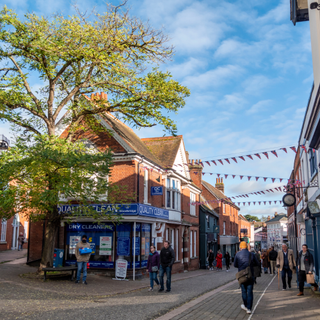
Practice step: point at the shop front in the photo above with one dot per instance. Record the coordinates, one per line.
(129, 240)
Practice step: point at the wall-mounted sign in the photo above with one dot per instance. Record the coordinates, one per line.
(216, 229)
(156, 191)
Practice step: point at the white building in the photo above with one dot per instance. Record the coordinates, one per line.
(277, 231)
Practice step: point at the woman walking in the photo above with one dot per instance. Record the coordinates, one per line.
(153, 266)
(265, 261)
(219, 260)
(227, 259)
(210, 259)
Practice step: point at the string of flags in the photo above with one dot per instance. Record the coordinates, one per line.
(264, 192)
(247, 203)
(248, 156)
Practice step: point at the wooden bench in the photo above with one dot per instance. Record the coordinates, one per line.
(61, 269)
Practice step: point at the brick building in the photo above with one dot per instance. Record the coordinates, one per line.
(244, 228)
(228, 239)
(160, 207)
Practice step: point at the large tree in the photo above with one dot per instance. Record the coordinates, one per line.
(48, 66)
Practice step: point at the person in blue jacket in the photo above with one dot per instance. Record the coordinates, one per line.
(241, 261)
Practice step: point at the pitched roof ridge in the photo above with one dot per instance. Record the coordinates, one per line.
(162, 138)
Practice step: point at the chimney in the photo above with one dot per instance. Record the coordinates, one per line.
(195, 169)
(187, 156)
(275, 214)
(268, 218)
(220, 184)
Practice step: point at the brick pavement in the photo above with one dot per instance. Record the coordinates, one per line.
(221, 304)
(10, 255)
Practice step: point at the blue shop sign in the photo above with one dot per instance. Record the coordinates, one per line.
(156, 191)
(122, 209)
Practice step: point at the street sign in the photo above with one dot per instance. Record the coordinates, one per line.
(121, 269)
(156, 191)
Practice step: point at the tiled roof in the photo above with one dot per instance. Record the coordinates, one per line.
(164, 148)
(128, 135)
(208, 207)
(278, 218)
(217, 193)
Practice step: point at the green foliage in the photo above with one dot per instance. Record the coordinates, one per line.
(37, 176)
(72, 57)
(251, 218)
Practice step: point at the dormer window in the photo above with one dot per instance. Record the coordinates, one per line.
(173, 195)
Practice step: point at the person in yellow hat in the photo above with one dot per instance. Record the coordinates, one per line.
(241, 261)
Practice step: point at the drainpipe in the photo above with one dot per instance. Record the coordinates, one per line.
(138, 181)
(134, 250)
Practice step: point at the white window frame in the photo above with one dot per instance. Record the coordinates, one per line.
(194, 243)
(192, 205)
(26, 225)
(145, 190)
(172, 239)
(177, 244)
(3, 230)
(173, 189)
(191, 233)
(224, 228)
(167, 234)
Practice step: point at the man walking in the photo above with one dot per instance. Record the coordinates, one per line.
(167, 258)
(273, 257)
(305, 266)
(241, 261)
(82, 259)
(286, 264)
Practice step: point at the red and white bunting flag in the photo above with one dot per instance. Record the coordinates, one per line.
(284, 149)
(254, 203)
(273, 179)
(258, 192)
(233, 176)
(201, 164)
(220, 161)
(257, 178)
(213, 162)
(244, 203)
(268, 190)
(218, 175)
(275, 202)
(280, 189)
(203, 173)
(151, 169)
(241, 177)
(208, 163)
(255, 193)
(303, 147)
(271, 190)
(234, 159)
(262, 192)
(270, 202)
(249, 203)
(264, 202)
(259, 203)
(242, 158)
(280, 201)
(265, 179)
(274, 152)
(280, 180)
(294, 149)
(249, 177)
(238, 203)
(257, 155)
(227, 160)
(266, 154)
(249, 156)
(276, 189)
(226, 176)
(210, 173)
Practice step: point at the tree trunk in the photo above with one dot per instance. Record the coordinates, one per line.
(49, 242)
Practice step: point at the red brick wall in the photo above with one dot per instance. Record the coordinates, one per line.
(35, 238)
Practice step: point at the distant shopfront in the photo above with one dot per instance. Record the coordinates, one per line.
(110, 242)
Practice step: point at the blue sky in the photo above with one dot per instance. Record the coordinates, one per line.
(250, 75)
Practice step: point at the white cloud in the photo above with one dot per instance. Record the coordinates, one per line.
(186, 68)
(259, 106)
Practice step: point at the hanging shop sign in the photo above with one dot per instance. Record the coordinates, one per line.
(121, 209)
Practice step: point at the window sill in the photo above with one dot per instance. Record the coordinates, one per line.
(148, 204)
(193, 258)
(3, 242)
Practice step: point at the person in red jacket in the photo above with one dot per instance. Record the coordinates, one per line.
(219, 260)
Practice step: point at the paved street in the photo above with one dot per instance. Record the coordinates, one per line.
(200, 294)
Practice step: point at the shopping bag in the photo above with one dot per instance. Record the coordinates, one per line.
(310, 278)
(85, 250)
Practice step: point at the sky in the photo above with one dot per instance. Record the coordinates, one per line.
(249, 70)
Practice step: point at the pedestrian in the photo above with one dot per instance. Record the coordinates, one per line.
(257, 269)
(286, 265)
(82, 259)
(305, 266)
(241, 262)
(153, 266)
(219, 260)
(167, 258)
(273, 257)
(269, 265)
(210, 259)
(227, 259)
(265, 262)
(20, 241)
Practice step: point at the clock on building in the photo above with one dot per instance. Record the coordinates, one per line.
(289, 199)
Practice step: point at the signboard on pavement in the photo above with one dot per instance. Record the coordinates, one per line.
(121, 269)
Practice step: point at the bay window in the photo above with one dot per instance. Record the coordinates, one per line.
(173, 195)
